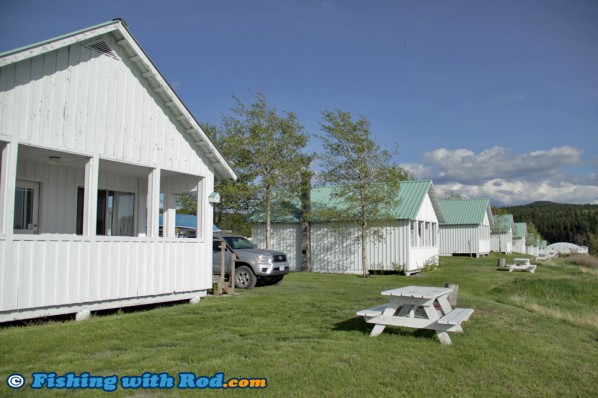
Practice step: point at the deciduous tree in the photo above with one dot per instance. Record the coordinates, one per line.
(266, 148)
(362, 176)
(237, 198)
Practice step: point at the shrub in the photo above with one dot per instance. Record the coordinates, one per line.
(584, 260)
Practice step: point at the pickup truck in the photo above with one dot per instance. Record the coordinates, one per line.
(252, 265)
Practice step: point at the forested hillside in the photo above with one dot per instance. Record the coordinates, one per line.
(558, 222)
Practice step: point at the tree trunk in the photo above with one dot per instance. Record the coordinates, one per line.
(364, 251)
(305, 227)
(268, 215)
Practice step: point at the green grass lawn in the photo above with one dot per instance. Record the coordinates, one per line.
(531, 335)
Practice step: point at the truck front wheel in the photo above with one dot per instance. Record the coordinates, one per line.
(244, 278)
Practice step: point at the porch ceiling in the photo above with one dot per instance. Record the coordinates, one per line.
(51, 157)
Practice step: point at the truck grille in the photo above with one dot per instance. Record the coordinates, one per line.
(280, 258)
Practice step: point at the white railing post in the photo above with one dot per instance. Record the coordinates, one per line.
(8, 181)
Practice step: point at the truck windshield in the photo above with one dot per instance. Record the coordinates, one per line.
(239, 243)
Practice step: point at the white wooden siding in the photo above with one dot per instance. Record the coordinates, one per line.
(284, 237)
(519, 245)
(421, 256)
(47, 272)
(338, 249)
(531, 250)
(426, 211)
(58, 192)
(79, 101)
(502, 243)
(335, 250)
(78, 104)
(464, 239)
(392, 252)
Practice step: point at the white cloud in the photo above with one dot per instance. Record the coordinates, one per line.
(497, 162)
(418, 170)
(502, 192)
(508, 178)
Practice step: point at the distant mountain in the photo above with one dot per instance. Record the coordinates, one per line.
(560, 222)
(543, 203)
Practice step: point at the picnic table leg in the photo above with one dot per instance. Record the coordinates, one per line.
(377, 330)
(433, 315)
(444, 338)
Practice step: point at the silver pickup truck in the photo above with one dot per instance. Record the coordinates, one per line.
(252, 265)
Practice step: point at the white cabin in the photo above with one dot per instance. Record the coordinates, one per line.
(466, 229)
(92, 139)
(501, 236)
(520, 238)
(409, 243)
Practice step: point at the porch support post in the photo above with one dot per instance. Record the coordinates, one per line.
(90, 199)
(169, 216)
(153, 203)
(205, 213)
(8, 183)
(142, 208)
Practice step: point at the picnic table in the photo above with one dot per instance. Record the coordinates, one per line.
(522, 264)
(418, 307)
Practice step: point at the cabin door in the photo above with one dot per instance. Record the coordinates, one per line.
(26, 207)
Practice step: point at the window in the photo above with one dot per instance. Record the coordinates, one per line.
(26, 207)
(428, 235)
(115, 213)
(239, 243)
(413, 234)
(23, 208)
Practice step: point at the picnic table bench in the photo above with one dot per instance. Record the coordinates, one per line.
(418, 307)
(522, 264)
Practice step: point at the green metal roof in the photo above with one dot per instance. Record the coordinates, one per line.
(520, 230)
(466, 211)
(502, 223)
(410, 198)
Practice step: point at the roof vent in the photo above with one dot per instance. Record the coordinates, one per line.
(103, 48)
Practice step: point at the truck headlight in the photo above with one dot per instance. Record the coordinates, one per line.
(264, 258)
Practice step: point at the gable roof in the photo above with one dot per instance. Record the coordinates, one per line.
(118, 29)
(466, 211)
(519, 230)
(502, 223)
(410, 199)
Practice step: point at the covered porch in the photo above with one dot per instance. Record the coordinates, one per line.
(81, 233)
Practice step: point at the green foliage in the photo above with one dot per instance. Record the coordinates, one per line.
(237, 198)
(361, 174)
(265, 150)
(558, 222)
(499, 211)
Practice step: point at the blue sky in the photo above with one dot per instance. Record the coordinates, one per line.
(493, 99)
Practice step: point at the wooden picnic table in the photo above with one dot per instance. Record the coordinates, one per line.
(418, 307)
(522, 264)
